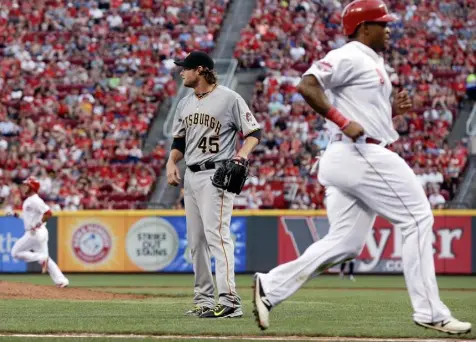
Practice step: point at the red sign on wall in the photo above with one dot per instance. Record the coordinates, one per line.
(382, 252)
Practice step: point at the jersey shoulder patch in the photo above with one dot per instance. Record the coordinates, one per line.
(248, 116)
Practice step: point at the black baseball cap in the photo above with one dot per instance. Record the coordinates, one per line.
(195, 59)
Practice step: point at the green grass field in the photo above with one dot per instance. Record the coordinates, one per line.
(373, 306)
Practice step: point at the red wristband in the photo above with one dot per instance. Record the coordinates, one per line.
(336, 117)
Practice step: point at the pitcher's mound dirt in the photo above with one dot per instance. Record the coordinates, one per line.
(12, 290)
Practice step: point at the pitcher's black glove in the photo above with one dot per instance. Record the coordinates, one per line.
(231, 176)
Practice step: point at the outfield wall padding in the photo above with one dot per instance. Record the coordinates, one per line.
(156, 241)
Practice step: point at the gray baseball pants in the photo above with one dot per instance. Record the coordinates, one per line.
(208, 211)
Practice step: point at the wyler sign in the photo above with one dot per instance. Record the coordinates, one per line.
(382, 252)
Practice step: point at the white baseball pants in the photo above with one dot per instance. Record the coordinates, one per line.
(365, 180)
(33, 246)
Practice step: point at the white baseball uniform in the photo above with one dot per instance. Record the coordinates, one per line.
(33, 245)
(364, 180)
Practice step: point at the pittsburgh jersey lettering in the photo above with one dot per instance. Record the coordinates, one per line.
(204, 120)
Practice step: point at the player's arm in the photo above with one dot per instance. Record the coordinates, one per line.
(246, 122)
(401, 103)
(46, 216)
(328, 74)
(176, 154)
(250, 143)
(46, 213)
(177, 150)
(314, 94)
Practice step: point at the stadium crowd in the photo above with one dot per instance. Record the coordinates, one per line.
(80, 83)
(433, 50)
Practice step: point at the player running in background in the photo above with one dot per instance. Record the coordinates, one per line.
(33, 245)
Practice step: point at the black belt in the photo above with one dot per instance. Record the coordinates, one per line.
(205, 166)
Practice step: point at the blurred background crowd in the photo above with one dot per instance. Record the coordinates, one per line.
(81, 82)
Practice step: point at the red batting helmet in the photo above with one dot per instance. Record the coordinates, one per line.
(361, 11)
(33, 183)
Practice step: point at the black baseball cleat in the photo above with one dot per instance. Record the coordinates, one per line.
(223, 311)
(197, 310)
(261, 304)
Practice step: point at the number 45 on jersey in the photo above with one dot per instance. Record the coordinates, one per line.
(209, 144)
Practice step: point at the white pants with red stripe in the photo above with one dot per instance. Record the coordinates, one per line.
(33, 247)
(365, 180)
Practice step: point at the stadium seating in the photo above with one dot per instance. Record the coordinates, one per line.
(80, 83)
(431, 54)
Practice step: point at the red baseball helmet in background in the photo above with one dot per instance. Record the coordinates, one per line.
(33, 183)
(361, 11)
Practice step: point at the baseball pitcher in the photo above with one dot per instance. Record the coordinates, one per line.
(362, 177)
(205, 129)
(33, 245)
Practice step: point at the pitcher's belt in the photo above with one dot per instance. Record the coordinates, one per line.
(205, 166)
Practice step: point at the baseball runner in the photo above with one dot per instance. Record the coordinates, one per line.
(33, 245)
(363, 178)
(205, 128)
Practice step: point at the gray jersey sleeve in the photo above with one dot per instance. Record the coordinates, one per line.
(244, 121)
(179, 125)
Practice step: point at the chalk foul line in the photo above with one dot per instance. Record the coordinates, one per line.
(231, 337)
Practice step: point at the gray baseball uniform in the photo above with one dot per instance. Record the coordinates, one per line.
(210, 127)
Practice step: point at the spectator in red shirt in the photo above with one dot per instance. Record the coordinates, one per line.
(267, 198)
(144, 181)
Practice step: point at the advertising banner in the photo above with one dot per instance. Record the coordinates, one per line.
(11, 229)
(382, 252)
(133, 244)
(91, 244)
